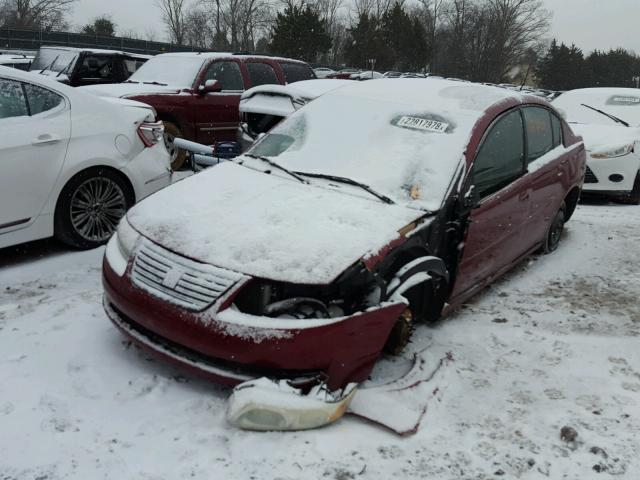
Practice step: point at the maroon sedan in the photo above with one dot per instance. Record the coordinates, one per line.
(197, 95)
(306, 257)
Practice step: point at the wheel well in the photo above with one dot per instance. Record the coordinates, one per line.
(571, 201)
(167, 117)
(116, 172)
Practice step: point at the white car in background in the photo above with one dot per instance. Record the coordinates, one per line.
(323, 72)
(264, 106)
(72, 163)
(608, 119)
(21, 62)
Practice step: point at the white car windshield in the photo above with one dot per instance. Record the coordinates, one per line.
(178, 71)
(407, 153)
(54, 60)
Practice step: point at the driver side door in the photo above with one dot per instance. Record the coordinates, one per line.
(495, 230)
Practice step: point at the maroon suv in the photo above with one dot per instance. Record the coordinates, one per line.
(197, 94)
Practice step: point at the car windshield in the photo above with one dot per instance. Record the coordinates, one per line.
(406, 153)
(179, 71)
(579, 106)
(54, 60)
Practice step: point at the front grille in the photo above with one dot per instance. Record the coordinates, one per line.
(589, 176)
(178, 280)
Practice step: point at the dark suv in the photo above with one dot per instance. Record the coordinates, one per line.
(77, 67)
(197, 94)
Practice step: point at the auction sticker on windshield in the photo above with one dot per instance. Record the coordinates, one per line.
(422, 124)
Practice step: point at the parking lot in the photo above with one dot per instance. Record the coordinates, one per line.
(553, 344)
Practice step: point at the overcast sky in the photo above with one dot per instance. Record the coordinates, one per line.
(590, 24)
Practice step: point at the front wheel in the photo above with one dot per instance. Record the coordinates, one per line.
(634, 195)
(90, 207)
(554, 234)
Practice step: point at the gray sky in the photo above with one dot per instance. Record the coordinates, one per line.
(590, 24)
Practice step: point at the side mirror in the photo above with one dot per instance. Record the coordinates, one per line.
(210, 86)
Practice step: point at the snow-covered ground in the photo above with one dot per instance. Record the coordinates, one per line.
(554, 344)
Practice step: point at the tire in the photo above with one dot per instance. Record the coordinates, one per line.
(178, 156)
(554, 234)
(634, 196)
(400, 333)
(90, 207)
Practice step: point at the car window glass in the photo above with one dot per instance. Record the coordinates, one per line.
(227, 73)
(556, 126)
(539, 134)
(500, 159)
(296, 72)
(261, 74)
(12, 99)
(96, 67)
(40, 99)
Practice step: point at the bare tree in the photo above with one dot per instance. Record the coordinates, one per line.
(35, 14)
(173, 15)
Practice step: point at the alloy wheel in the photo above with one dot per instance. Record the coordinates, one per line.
(97, 206)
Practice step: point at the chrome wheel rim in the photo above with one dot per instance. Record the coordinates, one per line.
(97, 206)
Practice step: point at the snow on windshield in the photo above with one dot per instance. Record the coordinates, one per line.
(407, 152)
(179, 71)
(623, 103)
(54, 60)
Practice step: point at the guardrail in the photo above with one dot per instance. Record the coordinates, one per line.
(12, 39)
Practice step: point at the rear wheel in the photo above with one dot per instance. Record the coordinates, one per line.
(90, 207)
(178, 156)
(554, 234)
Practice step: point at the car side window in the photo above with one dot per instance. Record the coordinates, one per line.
(500, 159)
(261, 74)
(13, 102)
(97, 68)
(296, 72)
(556, 127)
(227, 74)
(40, 99)
(539, 133)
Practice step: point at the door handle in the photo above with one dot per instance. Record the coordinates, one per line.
(523, 196)
(45, 139)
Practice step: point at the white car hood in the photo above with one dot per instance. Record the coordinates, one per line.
(129, 89)
(268, 226)
(596, 137)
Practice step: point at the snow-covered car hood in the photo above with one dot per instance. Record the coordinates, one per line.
(268, 226)
(598, 136)
(129, 89)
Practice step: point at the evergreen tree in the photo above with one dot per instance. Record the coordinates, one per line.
(562, 68)
(299, 32)
(366, 42)
(102, 26)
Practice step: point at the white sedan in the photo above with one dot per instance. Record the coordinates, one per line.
(72, 163)
(608, 119)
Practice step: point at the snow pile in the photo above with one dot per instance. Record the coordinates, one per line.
(268, 225)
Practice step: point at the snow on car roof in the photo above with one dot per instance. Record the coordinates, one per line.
(623, 103)
(215, 55)
(405, 138)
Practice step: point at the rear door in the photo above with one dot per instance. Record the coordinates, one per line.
(35, 126)
(262, 73)
(494, 237)
(545, 168)
(217, 114)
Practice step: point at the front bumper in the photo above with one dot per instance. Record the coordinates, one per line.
(624, 169)
(219, 344)
(149, 171)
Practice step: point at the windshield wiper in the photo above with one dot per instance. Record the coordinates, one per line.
(65, 68)
(275, 165)
(349, 181)
(615, 119)
(155, 83)
(50, 65)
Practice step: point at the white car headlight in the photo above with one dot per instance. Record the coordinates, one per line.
(126, 237)
(613, 152)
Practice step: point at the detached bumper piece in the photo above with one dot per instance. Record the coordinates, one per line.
(266, 404)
